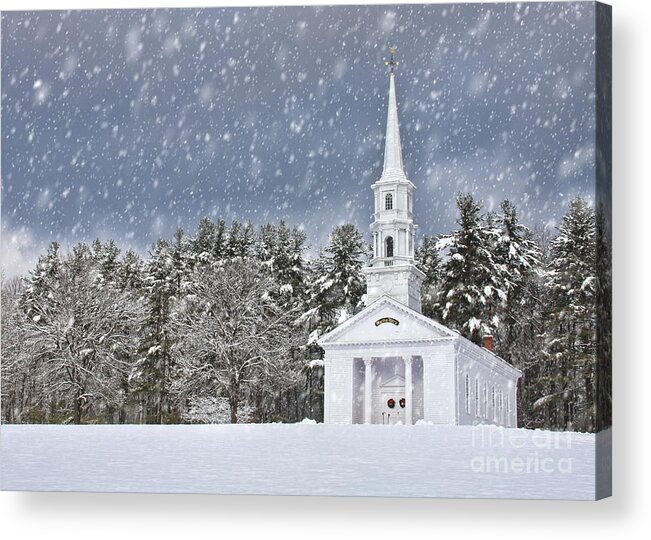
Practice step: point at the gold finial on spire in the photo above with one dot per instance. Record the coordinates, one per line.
(391, 62)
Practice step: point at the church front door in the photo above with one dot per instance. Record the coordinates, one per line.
(392, 406)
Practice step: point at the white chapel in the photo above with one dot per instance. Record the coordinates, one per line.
(389, 364)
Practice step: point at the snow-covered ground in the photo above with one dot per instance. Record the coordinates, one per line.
(300, 459)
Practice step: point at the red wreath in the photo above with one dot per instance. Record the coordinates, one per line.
(402, 403)
(391, 403)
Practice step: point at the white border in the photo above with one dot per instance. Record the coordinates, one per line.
(108, 516)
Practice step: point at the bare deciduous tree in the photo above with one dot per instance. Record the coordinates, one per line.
(233, 334)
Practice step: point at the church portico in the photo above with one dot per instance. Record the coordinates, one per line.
(386, 385)
(391, 383)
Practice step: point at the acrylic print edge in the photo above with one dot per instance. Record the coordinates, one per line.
(603, 204)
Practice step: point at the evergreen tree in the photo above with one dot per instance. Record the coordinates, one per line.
(106, 257)
(338, 283)
(470, 292)
(131, 272)
(43, 277)
(281, 249)
(166, 277)
(240, 241)
(517, 338)
(429, 262)
(204, 243)
(571, 334)
(603, 300)
(209, 243)
(516, 256)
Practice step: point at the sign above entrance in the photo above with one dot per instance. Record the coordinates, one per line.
(387, 320)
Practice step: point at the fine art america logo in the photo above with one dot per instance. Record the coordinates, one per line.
(501, 451)
(387, 320)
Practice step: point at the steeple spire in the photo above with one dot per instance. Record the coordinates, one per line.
(392, 148)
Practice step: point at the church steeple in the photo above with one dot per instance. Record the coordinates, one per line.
(392, 148)
(392, 271)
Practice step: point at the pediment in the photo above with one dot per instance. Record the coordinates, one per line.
(396, 381)
(386, 320)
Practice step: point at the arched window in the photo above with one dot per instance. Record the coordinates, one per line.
(388, 252)
(388, 201)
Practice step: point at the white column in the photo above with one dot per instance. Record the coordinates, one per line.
(368, 391)
(408, 392)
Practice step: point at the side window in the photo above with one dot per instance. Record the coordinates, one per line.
(467, 393)
(388, 201)
(477, 402)
(508, 410)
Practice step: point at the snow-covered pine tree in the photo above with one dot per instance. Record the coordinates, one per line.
(603, 398)
(167, 276)
(470, 291)
(43, 277)
(204, 241)
(131, 272)
(571, 333)
(240, 241)
(282, 250)
(336, 291)
(429, 262)
(517, 257)
(209, 243)
(182, 260)
(106, 258)
(338, 284)
(518, 336)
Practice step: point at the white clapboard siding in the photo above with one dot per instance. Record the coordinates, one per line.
(439, 385)
(338, 390)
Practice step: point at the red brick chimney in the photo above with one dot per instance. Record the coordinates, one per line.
(488, 343)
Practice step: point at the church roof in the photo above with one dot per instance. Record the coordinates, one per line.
(388, 321)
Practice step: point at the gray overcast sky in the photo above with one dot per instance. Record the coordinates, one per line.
(127, 124)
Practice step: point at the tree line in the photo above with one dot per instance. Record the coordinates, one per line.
(221, 325)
